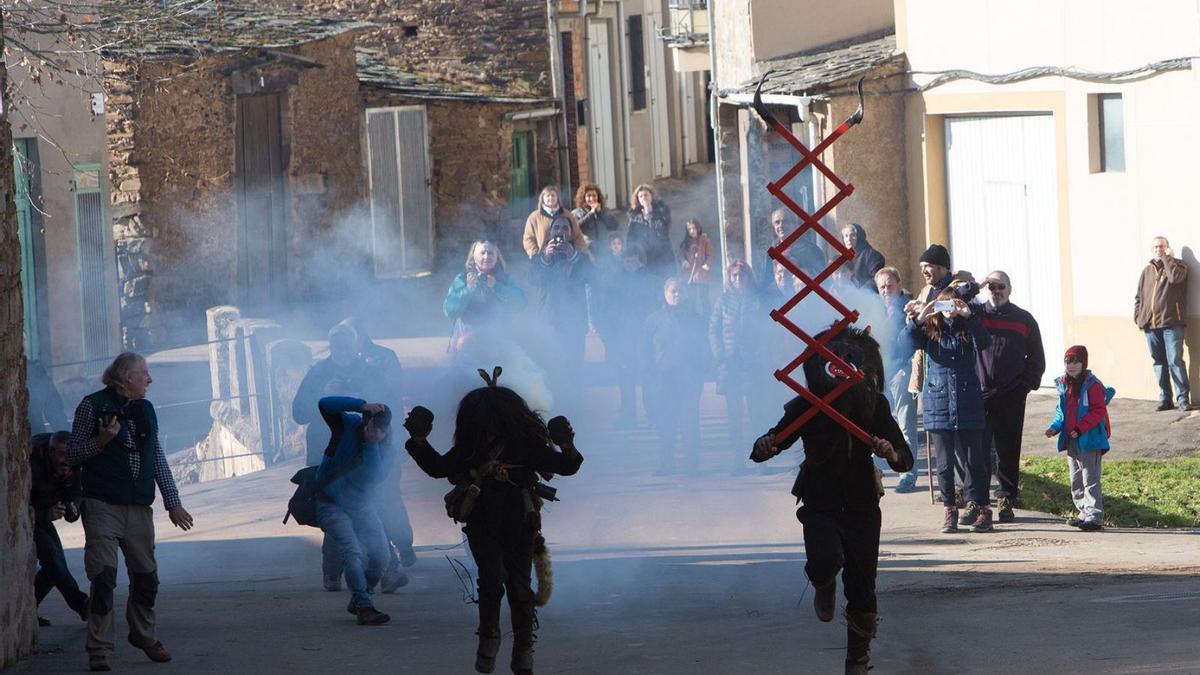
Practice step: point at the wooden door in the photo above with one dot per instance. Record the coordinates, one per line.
(262, 207)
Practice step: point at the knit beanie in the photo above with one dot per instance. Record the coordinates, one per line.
(1079, 353)
(936, 254)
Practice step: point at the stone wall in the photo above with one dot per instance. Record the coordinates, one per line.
(18, 624)
(471, 146)
(172, 159)
(491, 45)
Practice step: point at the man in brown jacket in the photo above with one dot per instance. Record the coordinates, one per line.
(1160, 310)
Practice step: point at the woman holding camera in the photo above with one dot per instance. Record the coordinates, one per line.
(951, 336)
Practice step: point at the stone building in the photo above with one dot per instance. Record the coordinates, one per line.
(18, 616)
(233, 156)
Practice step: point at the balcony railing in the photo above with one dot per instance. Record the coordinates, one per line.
(687, 23)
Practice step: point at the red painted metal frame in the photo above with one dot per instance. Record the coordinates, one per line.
(812, 221)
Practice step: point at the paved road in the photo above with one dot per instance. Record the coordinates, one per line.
(674, 574)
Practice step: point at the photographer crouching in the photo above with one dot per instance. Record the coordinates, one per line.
(55, 494)
(358, 458)
(114, 442)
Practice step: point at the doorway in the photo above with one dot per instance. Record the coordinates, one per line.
(262, 207)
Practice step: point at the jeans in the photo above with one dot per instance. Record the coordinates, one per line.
(52, 568)
(358, 537)
(904, 409)
(1166, 348)
(967, 448)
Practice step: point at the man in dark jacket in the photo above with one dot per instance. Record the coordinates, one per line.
(114, 441)
(356, 366)
(55, 494)
(838, 485)
(867, 260)
(1009, 368)
(1160, 310)
(675, 356)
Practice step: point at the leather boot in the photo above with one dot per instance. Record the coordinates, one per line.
(489, 635)
(860, 628)
(522, 651)
(825, 599)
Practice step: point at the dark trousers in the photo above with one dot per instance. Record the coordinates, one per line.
(52, 567)
(676, 414)
(502, 546)
(966, 447)
(1006, 423)
(846, 541)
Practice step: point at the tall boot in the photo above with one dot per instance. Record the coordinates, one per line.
(860, 628)
(522, 651)
(489, 635)
(825, 599)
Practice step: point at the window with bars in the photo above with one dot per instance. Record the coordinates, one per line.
(93, 252)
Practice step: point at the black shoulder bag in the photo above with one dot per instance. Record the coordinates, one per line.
(302, 507)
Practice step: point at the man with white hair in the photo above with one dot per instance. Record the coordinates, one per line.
(1009, 368)
(1160, 310)
(114, 441)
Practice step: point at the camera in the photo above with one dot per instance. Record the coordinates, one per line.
(943, 306)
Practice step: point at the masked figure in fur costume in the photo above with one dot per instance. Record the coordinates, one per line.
(501, 446)
(838, 485)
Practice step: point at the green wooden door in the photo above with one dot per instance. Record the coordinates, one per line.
(23, 169)
(521, 186)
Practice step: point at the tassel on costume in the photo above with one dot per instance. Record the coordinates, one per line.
(543, 571)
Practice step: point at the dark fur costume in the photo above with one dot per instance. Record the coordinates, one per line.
(503, 528)
(836, 484)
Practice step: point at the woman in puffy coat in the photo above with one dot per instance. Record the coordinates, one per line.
(951, 336)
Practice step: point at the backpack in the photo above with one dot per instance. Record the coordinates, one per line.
(302, 507)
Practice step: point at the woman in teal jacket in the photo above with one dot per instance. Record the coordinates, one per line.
(1081, 424)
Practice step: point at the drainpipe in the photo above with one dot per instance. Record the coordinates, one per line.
(558, 88)
(622, 47)
(714, 110)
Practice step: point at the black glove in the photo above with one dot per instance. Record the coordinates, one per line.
(561, 432)
(419, 422)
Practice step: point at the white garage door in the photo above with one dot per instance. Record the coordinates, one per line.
(1003, 204)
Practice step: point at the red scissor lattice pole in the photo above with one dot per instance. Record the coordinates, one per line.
(812, 221)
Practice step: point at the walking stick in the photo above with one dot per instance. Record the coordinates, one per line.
(929, 467)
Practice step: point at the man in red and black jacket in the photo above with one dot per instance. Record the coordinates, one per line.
(1009, 369)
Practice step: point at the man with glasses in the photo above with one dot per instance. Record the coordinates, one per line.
(1009, 368)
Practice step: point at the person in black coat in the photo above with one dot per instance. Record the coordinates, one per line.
(500, 447)
(675, 355)
(867, 259)
(839, 486)
(55, 494)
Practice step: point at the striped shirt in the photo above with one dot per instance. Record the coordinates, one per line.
(82, 447)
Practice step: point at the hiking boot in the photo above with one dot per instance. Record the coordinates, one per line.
(984, 522)
(970, 514)
(1005, 510)
(960, 500)
(157, 653)
(332, 583)
(1165, 406)
(1074, 521)
(950, 521)
(369, 616)
(1090, 526)
(825, 600)
(393, 579)
(98, 663)
(907, 484)
(522, 661)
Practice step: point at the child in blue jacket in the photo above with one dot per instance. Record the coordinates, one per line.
(1081, 424)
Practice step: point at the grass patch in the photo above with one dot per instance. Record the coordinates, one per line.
(1137, 492)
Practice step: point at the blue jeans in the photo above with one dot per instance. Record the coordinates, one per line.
(904, 409)
(1166, 348)
(358, 537)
